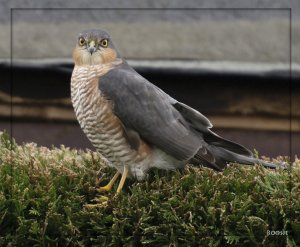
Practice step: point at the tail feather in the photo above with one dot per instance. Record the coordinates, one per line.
(229, 156)
(215, 152)
(223, 156)
(215, 140)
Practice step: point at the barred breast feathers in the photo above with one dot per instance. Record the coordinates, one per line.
(96, 118)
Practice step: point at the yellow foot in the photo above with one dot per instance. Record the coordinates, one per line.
(109, 186)
(100, 202)
(105, 188)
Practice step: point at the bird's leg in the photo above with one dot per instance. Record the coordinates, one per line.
(102, 200)
(109, 186)
(123, 178)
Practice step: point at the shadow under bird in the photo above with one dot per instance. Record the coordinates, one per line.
(134, 124)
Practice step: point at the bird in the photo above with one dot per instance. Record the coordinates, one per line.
(134, 124)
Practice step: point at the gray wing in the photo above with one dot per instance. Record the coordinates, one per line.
(146, 109)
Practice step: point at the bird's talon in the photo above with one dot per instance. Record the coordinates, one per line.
(99, 202)
(102, 199)
(96, 205)
(105, 188)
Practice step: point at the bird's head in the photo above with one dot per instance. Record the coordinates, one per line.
(94, 47)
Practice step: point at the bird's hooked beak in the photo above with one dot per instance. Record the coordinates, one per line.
(91, 47)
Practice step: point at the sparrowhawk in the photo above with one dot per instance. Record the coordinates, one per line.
(134, 124)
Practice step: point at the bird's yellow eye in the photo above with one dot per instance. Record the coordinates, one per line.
(104, 42)
(81, 41)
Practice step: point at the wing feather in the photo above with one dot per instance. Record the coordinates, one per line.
(146, 109)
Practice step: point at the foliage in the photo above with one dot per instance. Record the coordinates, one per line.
(43, 193)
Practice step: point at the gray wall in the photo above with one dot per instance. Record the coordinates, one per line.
(203, 34)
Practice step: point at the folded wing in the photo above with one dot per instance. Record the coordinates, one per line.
(146, 109)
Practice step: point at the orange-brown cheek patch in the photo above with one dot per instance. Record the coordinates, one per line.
(77, 56)
(109, 55)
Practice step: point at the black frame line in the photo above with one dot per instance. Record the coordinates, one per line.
(171, 9)
(131, 8)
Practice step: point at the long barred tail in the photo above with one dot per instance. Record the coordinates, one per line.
(222, 155)
(225, 151)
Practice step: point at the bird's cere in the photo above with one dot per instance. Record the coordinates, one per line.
(92, 43)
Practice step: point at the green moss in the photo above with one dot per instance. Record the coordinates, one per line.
(43, 192)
